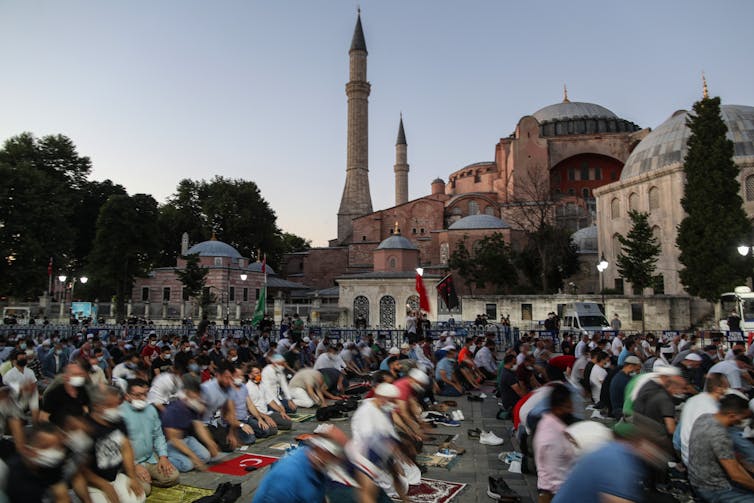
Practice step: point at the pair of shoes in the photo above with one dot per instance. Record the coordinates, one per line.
(447, 422)
(474, 433)
(452, 447)
(509, 457)
(489, 438)
(498, 490)
(225, 493)
(457, 415)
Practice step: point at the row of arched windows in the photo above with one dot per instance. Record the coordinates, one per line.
(634, 202)
(387, 308)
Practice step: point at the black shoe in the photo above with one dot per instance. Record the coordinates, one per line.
(231, 494)
(474, 433)
(475, 398)
(498, 490)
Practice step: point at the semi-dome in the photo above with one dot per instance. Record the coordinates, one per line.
(397, 242)
(257, 267)
(666, 145)
(481, 221)
(214, 248)
(585, 239)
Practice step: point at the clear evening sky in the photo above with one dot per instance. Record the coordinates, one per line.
(156, 91)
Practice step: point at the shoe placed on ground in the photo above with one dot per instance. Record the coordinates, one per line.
(474, 433)
(489, 438)
(447, 422)
(452, 447)
(460, 417)
(498, 490)
(482, 396)
(231, 493)
(474, 398)
(450, 403)
(509, 457)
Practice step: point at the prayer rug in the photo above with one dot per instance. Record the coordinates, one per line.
(177, 494)
(280, 446)
(434, 491)
(237, 466)
(436, 460)
(300, 418)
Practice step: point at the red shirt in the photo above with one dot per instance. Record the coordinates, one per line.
(562, 362)
(150, 350)
(464, 354)
(404, 385)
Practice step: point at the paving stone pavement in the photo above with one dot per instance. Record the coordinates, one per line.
(472, 468)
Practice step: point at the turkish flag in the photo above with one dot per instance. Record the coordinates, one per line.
(423, 298)
(49, 268)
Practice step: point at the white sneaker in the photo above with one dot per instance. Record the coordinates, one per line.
(458, 415)
(482, 395)
(489, 438)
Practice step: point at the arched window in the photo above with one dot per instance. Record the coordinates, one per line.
(391, 263)
(387, 312)
(749, 188)
(654, 198)
(615, 208)
(633, 201)
(473, 208)
(489, 210)
(361, 308)
(456, 211)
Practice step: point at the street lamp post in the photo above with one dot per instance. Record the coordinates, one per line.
(601, 267)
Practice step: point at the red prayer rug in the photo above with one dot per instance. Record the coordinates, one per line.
(434, 491)
(237, 466)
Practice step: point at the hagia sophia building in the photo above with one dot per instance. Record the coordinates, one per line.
(592, 163)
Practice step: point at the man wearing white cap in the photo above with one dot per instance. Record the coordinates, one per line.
(689, 366)
(392, 355)
(275, 384)
(375, 444)
(655, 399)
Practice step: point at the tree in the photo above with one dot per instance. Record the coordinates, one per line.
(715, 222)
(490, 262)
(193, 276)
(125, 245)
(560, 255)
(637, 258)
(41, 180)
(293, 243)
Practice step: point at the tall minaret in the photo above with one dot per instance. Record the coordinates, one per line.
(401, 166)
(356, 200)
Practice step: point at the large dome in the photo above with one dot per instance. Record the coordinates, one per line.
(397, 242)
(666, 145)
(572, 110)
(479, 222)
(214, 248)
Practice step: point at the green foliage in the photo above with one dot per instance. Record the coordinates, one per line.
(293, 243)
(548, 258)
(125, 244)
(640, 249)
(193, 276)
(715, 222)
(490, 262)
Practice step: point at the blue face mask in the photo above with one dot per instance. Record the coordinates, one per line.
(22, 345)
(193, 367)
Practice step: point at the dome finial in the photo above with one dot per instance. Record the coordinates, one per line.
(396, 230)
(705, 91)
(214, 236)
(565, 94)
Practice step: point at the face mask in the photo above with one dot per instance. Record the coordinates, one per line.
(77, 381)
(29, 352)
(78, 441)
(58, 352)
(387, 408)
(22, 346)
(529, 367)
(21, 363)
(234, 358)
(745, 422)
(633, 373)
(166, 356)
(152, 343)
(186, 350)
(195, 405)
(607, 366)
(48, 458)
(111, 415)
(193, 367)
(238, 381)
(257, 379)
(131, 366)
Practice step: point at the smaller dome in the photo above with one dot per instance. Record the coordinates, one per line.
(397, 242)
(257, 267)
(479, 222)
(214, 248)
(585, 239)
(437, 180)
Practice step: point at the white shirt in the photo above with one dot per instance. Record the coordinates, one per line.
(284, 345)
(325, 361)
(257, 395)
(484, 359)
(596, 377)
(15, 379)
(617, 346)
(321, 348)
(369, 421)
(580, 349)
(274, 382)
(703, 403)
(577, 371)
(520, 358)
(164, 388)
(731, 371)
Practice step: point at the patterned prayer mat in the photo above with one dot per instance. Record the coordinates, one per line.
(300, 418)
(434, 491)
(237, 466)
(177, 494)
(436, 460)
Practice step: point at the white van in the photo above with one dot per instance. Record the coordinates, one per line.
(583, 318)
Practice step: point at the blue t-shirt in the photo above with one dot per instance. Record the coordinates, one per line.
(179, 416)
(585, 485)
(448, 366)
(624, 353)
(277, 486)
(214, 398)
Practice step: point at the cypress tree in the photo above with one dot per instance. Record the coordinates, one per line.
(715, 222)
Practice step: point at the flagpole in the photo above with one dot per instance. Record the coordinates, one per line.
(265, 284)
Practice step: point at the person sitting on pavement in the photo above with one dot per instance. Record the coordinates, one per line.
(23, 385)
(509, 389)
(275, 383)
(253, 424)
(264, 404)
(445, 374)
(308, 389)
(66, 397)
(714, 472)
(655, 399)
(597, 377)
(190, 445)
(165, 387)
(525, 373)
(147, 438)
(219, 414)
(706, 402)
(485, 360)
(111, 473)
(736, 370)
(631, 367)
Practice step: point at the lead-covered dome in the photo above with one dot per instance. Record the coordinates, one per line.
(214, 248)
(574, 117)
(397, 242)
(666, 145)
(481, 221)
(585, 239)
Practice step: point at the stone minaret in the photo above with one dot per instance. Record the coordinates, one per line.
(356, 200)
(184, 243)
(401, 166)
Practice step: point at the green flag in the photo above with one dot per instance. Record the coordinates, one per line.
(259, 310)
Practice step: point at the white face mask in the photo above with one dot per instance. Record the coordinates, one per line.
(77, 381)
(78, 441)
(48, 458)
(238, 381)
(234, 358)
(139, 404)
(166, 356)
(111, 415)
(387, 408)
